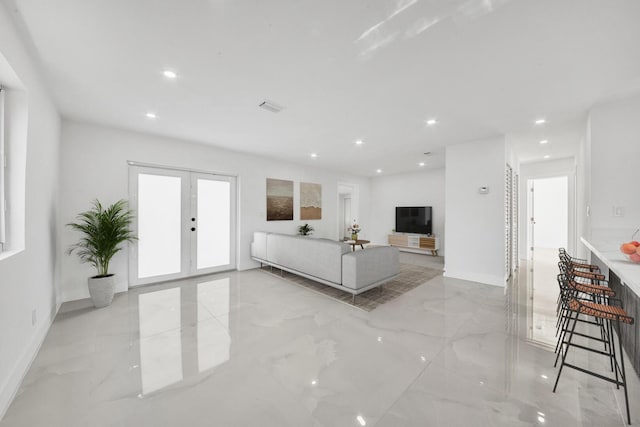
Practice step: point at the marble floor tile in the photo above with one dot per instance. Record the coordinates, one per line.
(248, 348)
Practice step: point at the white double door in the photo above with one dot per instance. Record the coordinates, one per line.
(185, 224)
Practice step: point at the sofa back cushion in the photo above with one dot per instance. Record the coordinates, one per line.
(316, 257)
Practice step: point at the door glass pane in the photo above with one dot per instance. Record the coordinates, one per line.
(159, 225)
(214, 223)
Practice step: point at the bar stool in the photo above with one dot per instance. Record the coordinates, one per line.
(576, 262)
(579, 271)
(586, 272)
(597, 293)
(588, 285)
(604, 312)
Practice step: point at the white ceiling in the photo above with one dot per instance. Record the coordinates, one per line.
(344, 70)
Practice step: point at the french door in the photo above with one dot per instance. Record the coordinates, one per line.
(185, 223)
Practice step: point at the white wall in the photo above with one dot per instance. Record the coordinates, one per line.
(94, 165)
(475, 223)
(614, 142)
(28, 277)
(424, 188)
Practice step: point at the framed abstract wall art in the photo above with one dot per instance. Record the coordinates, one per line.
(279, 200)
(310, 201)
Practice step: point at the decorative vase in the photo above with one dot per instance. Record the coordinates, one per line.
(354, 236)
(101, 290)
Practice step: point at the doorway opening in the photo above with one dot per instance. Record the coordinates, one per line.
(347, 209)
(548, 213)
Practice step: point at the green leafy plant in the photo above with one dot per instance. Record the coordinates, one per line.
(305, 230)
(104, 230)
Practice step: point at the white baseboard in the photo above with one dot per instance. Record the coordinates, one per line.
(486, 279)
(10, 388)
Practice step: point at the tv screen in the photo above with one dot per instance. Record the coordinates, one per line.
(413, 220)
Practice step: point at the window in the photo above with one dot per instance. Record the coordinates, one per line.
(3, 162)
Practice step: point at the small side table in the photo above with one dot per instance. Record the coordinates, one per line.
(355, 243)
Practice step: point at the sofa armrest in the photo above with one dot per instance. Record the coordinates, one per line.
(259, 245)
(369, 266)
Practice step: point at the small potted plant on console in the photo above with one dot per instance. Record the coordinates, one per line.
(305, 230)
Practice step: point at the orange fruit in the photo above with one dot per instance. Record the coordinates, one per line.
(628, 248)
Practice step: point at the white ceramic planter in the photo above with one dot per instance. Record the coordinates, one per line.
(101, 290)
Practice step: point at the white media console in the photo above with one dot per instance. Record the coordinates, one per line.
(415, 243)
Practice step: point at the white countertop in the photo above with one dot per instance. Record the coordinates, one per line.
(608, 250)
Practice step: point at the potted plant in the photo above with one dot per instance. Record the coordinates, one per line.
(305, 230)
(103, 232)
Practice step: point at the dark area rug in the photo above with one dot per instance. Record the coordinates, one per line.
(411, 276)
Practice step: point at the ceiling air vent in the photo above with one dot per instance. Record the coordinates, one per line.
(270, 106)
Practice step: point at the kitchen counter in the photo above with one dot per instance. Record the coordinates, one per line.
(624, 279)
(608, 251)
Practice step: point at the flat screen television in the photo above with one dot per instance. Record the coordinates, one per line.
(415, 219)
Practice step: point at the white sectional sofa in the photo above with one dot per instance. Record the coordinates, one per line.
(327, 261)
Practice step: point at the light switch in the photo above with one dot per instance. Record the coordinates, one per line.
(618, 211)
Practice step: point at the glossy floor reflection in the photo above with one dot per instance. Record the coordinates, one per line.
(247, 348)
(542, 288)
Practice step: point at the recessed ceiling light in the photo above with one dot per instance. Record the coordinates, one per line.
(378, 170)
(547, 156)
(359, 142)
(361, 420)
(170, 74)
(151, 115)
(544, 141)
(314, 155)
(421, 164)
(431, 122)
(541, 121)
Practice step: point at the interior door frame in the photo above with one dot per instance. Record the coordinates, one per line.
(355, 200)
(531, 222)
(186, 240)
(548, 169)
